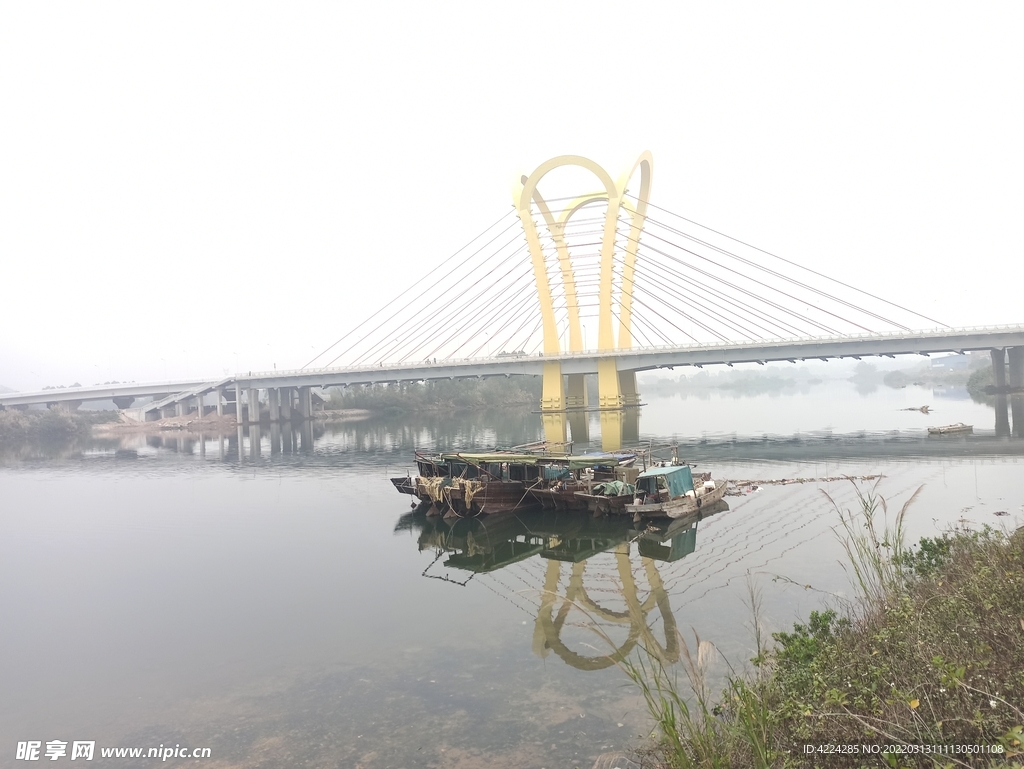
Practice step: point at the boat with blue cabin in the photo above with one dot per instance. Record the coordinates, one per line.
(671, 491)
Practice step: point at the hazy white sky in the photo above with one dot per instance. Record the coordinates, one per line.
(189, 189)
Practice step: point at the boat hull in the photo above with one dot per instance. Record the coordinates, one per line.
(405, 485)
(602, 505)
(461, 498)
(680, 506)
(957, 429)
(558, 499)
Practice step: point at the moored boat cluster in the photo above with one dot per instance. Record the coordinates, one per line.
(629, 482)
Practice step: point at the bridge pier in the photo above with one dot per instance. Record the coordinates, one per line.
(611, 429)
(124, 401)
(1016, 356)
(564, 402)
(609, 394)
(238, 408)
(627, 389)
(254, 440)
(579, 426)
(576, 392)
(1017, 414)
(286, 394)
(199, 406)
(619, 427)
(275, 436)
(998, 368)
(306, 436)
(554, 424)
(553, 403)
(305, 403)
(274, 404)
(220, 406)
(254, 405)
(1002, 417)
(552, 387)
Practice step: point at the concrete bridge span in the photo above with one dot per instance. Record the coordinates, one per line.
(645, 359)
(125, 392)
(291, 393)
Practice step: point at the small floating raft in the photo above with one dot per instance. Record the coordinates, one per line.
(958, 429)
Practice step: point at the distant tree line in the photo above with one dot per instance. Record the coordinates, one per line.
(48, 425)
(440, 395)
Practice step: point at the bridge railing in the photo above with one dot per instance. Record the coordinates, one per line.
(742, 343)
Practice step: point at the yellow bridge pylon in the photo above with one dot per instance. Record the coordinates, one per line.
(616, 389)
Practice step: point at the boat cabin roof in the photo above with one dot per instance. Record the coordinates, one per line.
(678, 478)
(574, 462)
(476, 459)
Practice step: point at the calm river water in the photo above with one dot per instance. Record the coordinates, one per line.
(288, 611)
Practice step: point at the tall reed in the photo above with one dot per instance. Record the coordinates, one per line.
(875, 548)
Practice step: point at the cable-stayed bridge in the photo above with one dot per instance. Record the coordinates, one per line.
(586, 276)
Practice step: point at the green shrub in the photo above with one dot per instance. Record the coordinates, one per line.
(930, 653)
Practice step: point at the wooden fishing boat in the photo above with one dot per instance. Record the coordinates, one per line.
(609, 497)
(600, 483)
(466, 485)
(671, 491)
(471, 484)
(958, 429)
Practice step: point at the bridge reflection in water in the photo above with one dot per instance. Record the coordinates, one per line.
(630, 583)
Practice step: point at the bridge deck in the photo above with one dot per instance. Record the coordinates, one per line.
(636, 359)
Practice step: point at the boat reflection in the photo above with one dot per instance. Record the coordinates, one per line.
(627, 579)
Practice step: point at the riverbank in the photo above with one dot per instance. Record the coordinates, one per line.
(211, 423)
(930, 653)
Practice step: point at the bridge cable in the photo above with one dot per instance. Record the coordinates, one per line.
(770, 288)
(749, 311)
(489, 320)
(685, 298)
(705, 288)
(795, 264)
(454, 313)
(690, 300)
(742, 290)
(781, 276)
(758, 299)
(417, 283)
(461, 311)
(411, 330)
(436, 298)
(459, 316)
(529, 306)
(711, 291)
